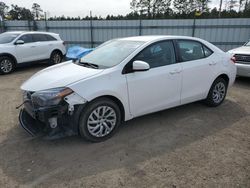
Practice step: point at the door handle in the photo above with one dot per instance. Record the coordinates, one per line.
(175, 72)
(212, 63)
(33, 46)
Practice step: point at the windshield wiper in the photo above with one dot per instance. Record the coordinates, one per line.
(92, 65)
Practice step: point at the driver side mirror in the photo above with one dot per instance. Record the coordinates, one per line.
(140, 66)
(19, 42)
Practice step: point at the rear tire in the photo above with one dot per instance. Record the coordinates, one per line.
(56, 57)
(99, 120)
(217, 93)
(7, 65)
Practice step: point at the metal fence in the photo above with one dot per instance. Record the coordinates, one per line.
(224, 33)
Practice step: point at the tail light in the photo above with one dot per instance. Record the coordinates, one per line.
(233, 59)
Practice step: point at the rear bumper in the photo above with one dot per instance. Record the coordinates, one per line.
(243, 69)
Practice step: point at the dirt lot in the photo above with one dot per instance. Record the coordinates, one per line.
(188, 146)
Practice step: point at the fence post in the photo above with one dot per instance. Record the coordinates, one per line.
(140, 27)
(34, 25)
(3, 27)
(46, 24)
(193, 28)
(29, 26)
(91, 30)
(140, 23)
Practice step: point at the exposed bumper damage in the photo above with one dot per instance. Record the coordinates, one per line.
(52, 122)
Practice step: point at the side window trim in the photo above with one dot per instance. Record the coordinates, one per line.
(128, 67)
(203, 45)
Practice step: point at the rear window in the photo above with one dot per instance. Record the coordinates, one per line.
(50, 38)
(39, 37)
(192, 50)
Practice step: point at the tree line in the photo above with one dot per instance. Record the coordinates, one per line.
(143, 9)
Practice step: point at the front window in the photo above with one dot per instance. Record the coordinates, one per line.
(248, 43)
(26, 38)
(159, 54)
(7, 37)
(111, 53)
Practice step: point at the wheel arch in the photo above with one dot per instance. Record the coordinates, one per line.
(222, 75)
(10, 56)
(56, 50)
(225, 77)
(116, 100)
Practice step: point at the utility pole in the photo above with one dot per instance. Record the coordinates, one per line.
(220, 8)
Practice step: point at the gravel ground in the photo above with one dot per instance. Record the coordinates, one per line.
(187, 146)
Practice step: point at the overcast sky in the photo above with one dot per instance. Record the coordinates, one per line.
(81, 7)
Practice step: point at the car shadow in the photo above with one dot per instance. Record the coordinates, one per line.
(242, 82)
(32, 161)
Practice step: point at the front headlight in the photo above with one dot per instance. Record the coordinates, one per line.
(50, 97)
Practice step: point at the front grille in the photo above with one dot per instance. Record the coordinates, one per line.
(242, 57)
(27, 95)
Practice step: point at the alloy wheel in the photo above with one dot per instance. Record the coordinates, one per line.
(6, 65)
(219, 92)
(101, 121)
(56, 58)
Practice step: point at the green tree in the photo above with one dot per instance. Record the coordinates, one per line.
(202, 5)
(183, 6)
(231, 4)
(20, 13)
(247, 5)
(36, 10)
(3, 9)
(150, 7)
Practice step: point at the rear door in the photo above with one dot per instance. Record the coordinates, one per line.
(42, 46)
(198, 70)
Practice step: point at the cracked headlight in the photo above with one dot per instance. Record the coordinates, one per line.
(50, 97)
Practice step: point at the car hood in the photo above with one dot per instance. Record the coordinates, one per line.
(59, 75)
(241, 50)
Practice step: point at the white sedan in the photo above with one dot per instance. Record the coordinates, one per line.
(123, 79)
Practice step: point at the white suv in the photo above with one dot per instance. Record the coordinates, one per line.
(242, 58)
(21, 47)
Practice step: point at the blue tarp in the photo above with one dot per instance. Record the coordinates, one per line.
(77, 52)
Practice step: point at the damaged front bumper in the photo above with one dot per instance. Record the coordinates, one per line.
(51, 122)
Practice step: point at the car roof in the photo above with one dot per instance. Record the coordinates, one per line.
(149, 38)
(30, 32)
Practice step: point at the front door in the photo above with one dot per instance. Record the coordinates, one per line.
(26, 52)
(160, 86)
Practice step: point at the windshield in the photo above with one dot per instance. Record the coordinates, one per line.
(7, 37)
(111, 53)
(248, 43)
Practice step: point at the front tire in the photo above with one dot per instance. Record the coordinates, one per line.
(6, 65)
(99, 120)
(56, 57)
(217, 93)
